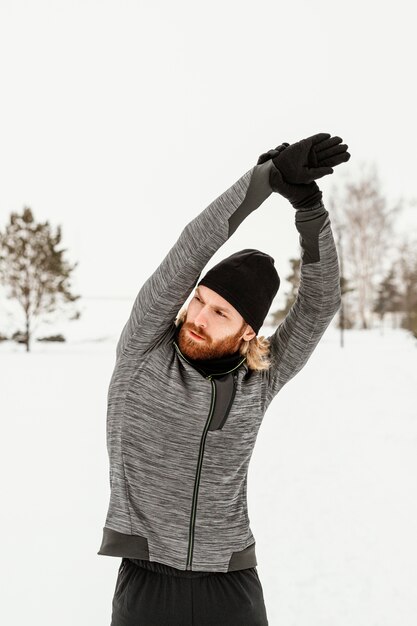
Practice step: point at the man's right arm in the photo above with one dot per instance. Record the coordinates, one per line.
(168, 287)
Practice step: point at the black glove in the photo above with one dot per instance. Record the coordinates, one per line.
(301, 196)
(272, 153)
(311, 158)
(298, 165)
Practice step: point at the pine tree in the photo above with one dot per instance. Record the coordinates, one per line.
(294, 279)
(346, 317)
(408, 273)
(32, 267)
(389, 298)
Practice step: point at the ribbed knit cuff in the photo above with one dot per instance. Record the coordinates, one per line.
(316, 205)
(306, 215)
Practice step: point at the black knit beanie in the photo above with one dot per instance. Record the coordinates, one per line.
(249, 281)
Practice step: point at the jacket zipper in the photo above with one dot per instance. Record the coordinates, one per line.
(200, 456)
(197, 478)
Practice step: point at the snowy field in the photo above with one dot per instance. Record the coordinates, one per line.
(332, 483)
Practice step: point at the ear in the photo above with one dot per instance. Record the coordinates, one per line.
(249, 333)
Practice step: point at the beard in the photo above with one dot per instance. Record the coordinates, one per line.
(206, 348)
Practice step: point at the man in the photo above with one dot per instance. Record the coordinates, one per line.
(190, 389)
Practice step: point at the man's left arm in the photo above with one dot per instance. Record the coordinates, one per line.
(317, 301)
(296, 168)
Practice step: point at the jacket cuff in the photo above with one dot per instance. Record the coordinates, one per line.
(314, 206)
(309, 224)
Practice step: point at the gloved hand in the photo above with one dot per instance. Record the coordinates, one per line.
(311, 158)
(298, 165)
(272, 153)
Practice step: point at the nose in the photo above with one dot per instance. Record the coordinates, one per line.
(201, 319)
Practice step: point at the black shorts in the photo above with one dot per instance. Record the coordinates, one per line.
(154, 594)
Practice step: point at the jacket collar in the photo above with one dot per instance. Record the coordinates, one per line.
(230, 364)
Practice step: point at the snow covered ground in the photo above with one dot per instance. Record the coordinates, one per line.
(332, 482)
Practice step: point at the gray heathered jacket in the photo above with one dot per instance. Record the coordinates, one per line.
(180, 442)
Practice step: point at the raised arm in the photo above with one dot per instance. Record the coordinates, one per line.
(319, 297)
(168, 287)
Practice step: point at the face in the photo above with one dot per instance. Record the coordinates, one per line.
(212, 327)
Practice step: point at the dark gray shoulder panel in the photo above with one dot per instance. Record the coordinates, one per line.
(309, 224)
(259, 189)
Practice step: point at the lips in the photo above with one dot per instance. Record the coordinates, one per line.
(194, 335)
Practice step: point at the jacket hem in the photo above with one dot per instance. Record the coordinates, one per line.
(122, 545)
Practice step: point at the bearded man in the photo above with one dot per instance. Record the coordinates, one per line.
(189, 391)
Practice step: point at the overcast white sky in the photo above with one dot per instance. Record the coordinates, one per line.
(122, 120)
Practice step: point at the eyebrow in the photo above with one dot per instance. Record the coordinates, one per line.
(220, 308)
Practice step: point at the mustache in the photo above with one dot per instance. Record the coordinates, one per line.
(194, 330)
